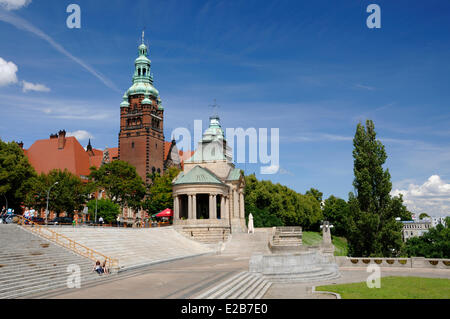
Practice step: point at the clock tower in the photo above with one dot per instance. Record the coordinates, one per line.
(141, 137)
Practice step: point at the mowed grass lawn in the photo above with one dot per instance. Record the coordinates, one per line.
(395, 288)
(313, 239)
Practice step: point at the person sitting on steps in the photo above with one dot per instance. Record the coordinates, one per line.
(104, 268)
(98, 268)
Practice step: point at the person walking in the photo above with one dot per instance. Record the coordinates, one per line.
(100, 220)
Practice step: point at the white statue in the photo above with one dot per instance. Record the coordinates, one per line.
(251, 227)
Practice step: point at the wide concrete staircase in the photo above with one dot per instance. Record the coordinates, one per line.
(244, 245)
(244, 285)
(206, 235)
(31, 265)
(137, 247)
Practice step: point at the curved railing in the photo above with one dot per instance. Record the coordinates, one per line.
(67, 242)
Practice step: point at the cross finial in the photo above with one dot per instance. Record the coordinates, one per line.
(215, 107)
(143, 35)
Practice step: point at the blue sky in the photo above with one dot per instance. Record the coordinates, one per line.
(311, 68)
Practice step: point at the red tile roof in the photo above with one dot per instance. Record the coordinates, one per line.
(45, 156)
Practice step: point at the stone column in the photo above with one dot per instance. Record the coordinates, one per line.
(235, 205)
(211, 208)
(227, 207)
(214, 200)
(242, 205)
(190, 206)
(223, 215)
(176, 209)
(194, 206)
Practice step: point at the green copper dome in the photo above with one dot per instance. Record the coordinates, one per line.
(143, 89)
(146, 101)
(125, 101)
(142, 78)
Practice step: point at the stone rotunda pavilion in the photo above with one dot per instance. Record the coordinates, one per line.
(209, 193)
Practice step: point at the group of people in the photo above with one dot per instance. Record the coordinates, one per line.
(29, 213)
(5, 213)
(100, 268)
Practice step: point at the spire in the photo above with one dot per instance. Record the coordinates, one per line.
(215, 107)
(89, 147)
(143, 36)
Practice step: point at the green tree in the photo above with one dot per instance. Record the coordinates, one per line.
(121, 183)
(16, 175)
(68, 195)
(159, 195)
(105, 208)
(318, 195)
(262, 217)
(373, 229)
(336, 211)
(424, 215)
(281, 202)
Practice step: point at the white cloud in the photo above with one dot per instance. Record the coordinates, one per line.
(14, 4)
(8, 72)
(80, 135)
(27, 86)
(432, 197)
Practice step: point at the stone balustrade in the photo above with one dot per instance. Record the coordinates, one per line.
(415, 262)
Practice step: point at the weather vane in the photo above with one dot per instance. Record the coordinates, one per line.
(215, 107)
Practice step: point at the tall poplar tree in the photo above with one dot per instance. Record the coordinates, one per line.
(373, 228)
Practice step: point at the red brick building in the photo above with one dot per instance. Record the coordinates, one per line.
(141, 137)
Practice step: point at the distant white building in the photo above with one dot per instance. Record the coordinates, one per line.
(438, 220)
(415, 228)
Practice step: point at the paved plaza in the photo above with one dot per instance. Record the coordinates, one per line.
(188, 278)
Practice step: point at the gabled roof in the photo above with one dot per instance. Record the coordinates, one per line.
(197, 175)
(44, 156)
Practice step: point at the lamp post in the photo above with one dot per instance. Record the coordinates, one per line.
(6, 199)
(48, 195)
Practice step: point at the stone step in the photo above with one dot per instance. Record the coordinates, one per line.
(321, 275)
(243, 291)
(37, 281)
(221, 287)
(13, 276)
(256, 290)
(28, 263)
(263, 290)
(236, 287)
(244, 285)
(16, 293)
